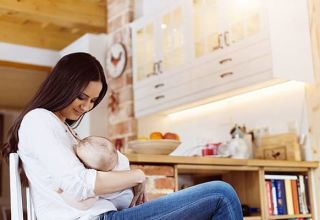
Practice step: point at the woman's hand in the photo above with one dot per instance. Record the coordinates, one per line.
(139, 194)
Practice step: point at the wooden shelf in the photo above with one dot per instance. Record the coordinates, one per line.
(166, 159)
(268, 164)
(240, 174)
(283, 163)
(252, 218)
(207, 169)
(290, 216)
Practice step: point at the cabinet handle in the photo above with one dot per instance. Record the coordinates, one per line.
(151, 74)
(226, 38)
(158, 85)
(159, 97)
(155, 68)
(159, 66)
(219, 46)
(226, 74)
(225, 60)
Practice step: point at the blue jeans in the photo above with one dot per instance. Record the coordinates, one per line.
(212, 200)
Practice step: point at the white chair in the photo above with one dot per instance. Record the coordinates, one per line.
(16, 193)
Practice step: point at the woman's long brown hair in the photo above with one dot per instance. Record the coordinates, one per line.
(67, 80)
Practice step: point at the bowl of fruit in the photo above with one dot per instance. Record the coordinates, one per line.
(156, 143)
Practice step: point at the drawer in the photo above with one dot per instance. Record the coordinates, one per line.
(235, 77)
(150, 101)
(149, 106)
(149, 86)
(220, 79)
(157, 85)
(233, 73)
(210, 67)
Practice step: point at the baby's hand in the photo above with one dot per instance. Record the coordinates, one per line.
(139, 195)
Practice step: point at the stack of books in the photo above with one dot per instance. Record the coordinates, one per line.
(287, 194)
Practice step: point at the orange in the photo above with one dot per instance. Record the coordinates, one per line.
(156, 135)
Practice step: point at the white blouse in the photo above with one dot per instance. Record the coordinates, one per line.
(46, 150)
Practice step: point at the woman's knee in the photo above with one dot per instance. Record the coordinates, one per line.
(223, 188)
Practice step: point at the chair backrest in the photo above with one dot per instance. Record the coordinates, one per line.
(16, 192)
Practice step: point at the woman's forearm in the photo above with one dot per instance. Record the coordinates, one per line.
(113, 181)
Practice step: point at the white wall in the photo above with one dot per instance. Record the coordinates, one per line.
(150, 7)
(28, 55)
(94, 122)
(280, 108)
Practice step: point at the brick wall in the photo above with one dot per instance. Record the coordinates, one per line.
(160, 180)
(122, 126)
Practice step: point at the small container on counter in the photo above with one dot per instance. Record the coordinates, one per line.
(211, 149)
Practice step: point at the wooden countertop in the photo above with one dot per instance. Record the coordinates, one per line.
(198, 160)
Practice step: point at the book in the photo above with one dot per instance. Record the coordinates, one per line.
(306, 183)
(274, 197)
(303, 195)
(288, 190)
(295, 198)
(281, 197)
(268, 185)
(300, 197)
(280, 177)
(286, 197)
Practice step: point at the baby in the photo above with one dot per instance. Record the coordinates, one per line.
(99, 153)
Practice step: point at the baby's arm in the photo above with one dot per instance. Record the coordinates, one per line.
(121, 199)
(138, 194)
(81, 205)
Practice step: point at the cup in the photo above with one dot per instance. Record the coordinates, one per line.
(214, 147)
(206, 151)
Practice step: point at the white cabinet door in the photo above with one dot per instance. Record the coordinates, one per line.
(144, 50)
(245, 22)
(161, 44)
(207, 26)
(161, 48)
(221, 26)
(173, 39)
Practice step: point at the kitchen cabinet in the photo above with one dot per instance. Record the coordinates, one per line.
(160, 49)
(229, 47)
(219, 25)
(246, 176)
(159, 43)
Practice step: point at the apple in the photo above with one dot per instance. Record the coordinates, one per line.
(156, 135)
(172, 136)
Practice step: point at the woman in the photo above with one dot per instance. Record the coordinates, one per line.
(43, 139)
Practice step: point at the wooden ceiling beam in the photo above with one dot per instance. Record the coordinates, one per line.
(87, 12)
(25, 66)
(7, 15)
(29, 33)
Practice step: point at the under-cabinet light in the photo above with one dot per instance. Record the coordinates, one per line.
(163, 26)
(223, 103)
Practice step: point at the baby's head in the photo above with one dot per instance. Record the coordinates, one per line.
(97, 153)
